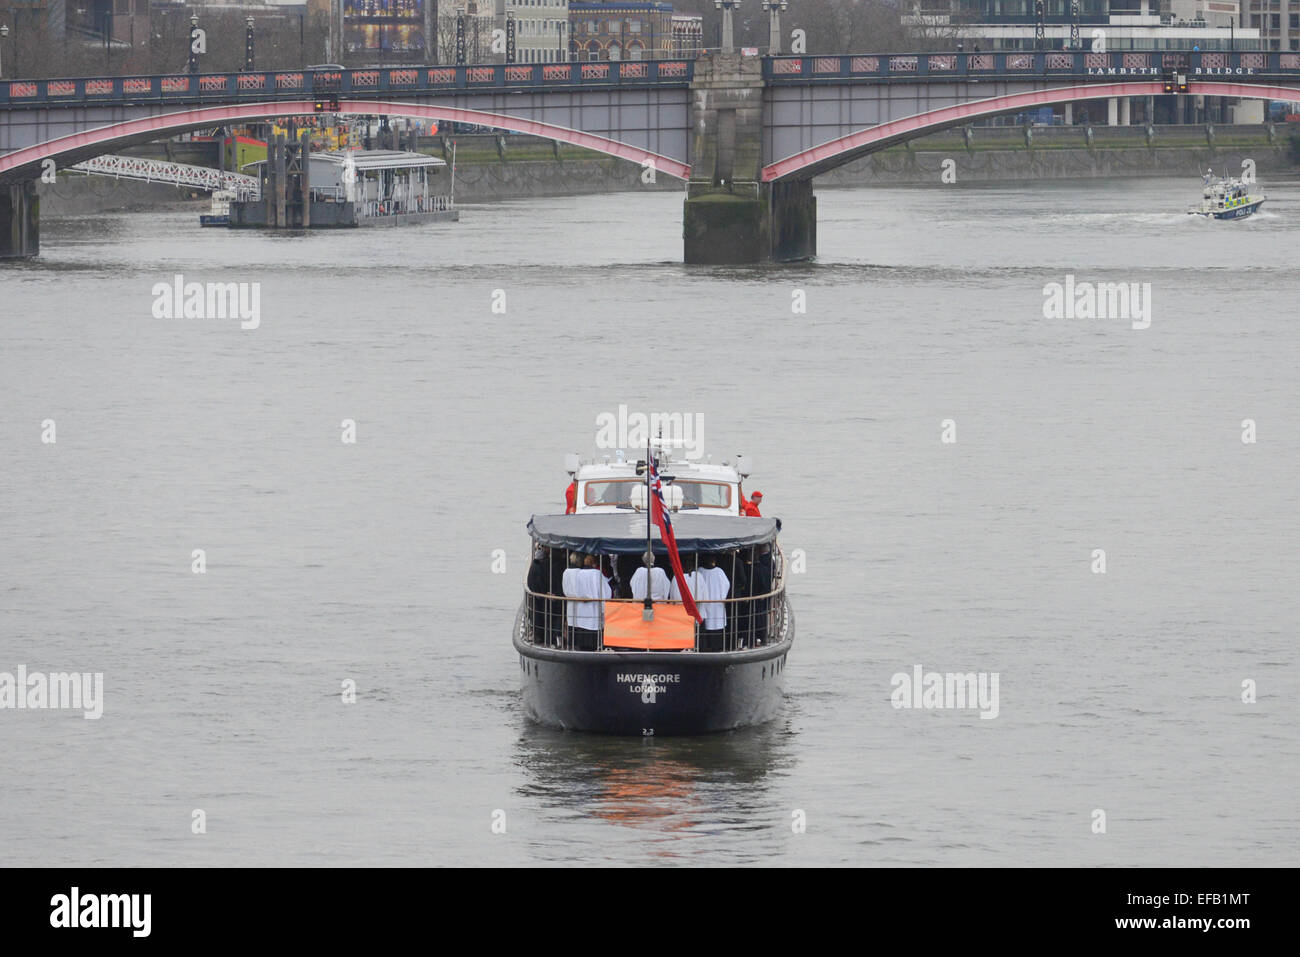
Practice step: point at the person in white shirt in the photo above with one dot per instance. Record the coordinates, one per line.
(659, 587)
(582, 579)
(715, 615)
(708, 585)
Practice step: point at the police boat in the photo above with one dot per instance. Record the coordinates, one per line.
(1226, 198)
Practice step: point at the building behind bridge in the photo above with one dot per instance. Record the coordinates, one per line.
(557, 31)
(632, 31)
(1120, 24)
(1116, 26)
(541, 30)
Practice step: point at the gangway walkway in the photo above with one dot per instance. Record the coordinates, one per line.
(163, 171)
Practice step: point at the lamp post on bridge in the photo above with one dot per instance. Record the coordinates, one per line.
(4, 35)
(774, 9)
(248, 45)
(1074, 25)
(1040, 28)
(108, 41)
(194, 44)
(728, 40)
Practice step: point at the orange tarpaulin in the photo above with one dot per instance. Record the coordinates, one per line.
(672, 628)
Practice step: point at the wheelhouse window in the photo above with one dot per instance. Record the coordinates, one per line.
(705, 494)
(694, 494)
(615, 492)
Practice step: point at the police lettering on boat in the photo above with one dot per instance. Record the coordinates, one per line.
(656, 603)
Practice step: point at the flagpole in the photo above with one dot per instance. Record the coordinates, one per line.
(648, 613)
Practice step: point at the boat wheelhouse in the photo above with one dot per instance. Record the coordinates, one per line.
(614, 484)
(606, 641)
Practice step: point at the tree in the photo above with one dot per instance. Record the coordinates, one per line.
(848, 26)
(37, 50)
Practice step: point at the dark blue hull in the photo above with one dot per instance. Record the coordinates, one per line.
(1237, 212)
(653, 693)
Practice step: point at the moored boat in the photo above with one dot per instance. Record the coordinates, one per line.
(606, 638)
(219, 214)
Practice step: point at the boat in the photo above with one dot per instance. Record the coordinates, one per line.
(634, 661)
(1226, 198)
(220, 212)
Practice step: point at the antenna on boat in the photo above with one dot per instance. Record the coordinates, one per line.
(648, 612)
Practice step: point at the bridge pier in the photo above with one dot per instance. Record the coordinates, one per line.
(791, 220)
(730, 215)
(286, 185)
(20, 221)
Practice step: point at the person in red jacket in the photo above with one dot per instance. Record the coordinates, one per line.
(571, 498)
(750, 508)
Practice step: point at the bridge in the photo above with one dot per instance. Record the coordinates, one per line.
(746, 134)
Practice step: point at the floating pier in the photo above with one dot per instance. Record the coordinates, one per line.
(346, 189)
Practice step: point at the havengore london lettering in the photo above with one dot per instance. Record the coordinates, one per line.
(639, 683)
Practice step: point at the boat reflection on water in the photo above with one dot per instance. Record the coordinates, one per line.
(676, 788)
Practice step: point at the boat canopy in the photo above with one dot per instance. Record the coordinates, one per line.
(624, 533)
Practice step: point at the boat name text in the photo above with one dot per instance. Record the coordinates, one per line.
(637, 684)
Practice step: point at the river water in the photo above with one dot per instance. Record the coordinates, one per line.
(373, 562)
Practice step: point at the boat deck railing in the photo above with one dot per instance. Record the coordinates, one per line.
(751, 621)
(376, 208)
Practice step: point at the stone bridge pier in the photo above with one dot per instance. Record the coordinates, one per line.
(20, 221)
(731, 216)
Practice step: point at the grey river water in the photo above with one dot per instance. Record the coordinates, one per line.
(372, 562)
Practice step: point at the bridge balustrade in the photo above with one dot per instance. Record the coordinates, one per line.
(308, 84)
(912, 67)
